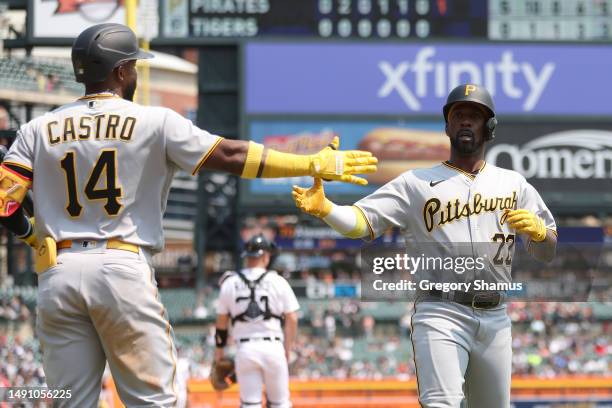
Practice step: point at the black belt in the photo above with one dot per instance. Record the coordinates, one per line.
(260, 338)
(482, 300)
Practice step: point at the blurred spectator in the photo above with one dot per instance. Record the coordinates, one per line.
(200, 311)
(368, 326)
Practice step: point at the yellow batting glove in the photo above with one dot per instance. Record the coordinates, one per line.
(332, 164)
(312, 201)
(526, 222)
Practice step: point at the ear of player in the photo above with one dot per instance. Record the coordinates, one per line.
(332, 164)
(525, 222)
(312, 201)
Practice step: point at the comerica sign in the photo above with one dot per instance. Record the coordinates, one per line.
(571, 154)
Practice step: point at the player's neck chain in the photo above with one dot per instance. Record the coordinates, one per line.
(103, 94)
(467, 173)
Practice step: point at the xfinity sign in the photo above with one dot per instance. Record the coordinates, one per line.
(414, 79)
(411, 79)
(572, 154)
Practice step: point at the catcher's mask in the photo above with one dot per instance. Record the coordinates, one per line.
(475, 94)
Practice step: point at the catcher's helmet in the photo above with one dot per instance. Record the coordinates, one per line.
(101, 48)
(476, 94)
(258, 245)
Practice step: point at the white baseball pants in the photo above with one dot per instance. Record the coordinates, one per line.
(101, 304)
(260, 363)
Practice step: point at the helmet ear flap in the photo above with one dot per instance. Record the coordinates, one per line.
(491, 125)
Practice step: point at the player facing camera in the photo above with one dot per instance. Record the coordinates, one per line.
(470, 119)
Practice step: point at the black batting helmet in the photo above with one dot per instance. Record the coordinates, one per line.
(476, 94)
(258, 245)
(101, 48)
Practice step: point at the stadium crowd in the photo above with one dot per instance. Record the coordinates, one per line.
(339, 339)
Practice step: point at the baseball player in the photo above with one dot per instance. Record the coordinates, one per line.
(460, 338)
(100, 169)
(261, 307)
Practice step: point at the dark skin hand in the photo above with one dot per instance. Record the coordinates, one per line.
(466, 129)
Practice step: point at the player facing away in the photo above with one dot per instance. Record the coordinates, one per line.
(262, 310)
(461, 340)
(100, 169)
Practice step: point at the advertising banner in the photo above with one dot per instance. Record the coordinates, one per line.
(572, 162)
(400, 79)
(403, 145)
(557, 157)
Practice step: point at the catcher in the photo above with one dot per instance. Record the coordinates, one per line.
(263, 311)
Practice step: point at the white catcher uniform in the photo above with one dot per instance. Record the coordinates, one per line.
(456, 345)
(260, 357)
(102, 171)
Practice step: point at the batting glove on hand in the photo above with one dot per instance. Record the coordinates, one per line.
(331, 164)
(312, 201)
(525, 222)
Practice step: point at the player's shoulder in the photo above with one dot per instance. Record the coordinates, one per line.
(274, 275)
(227, 277)
(502, 173)
(424, 174)
(434, 170)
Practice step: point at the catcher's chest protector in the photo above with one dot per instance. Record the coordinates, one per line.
(253, 310)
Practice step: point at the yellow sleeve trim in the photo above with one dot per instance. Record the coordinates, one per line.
(23, 166)
(364, 218)
(253, 160)
(206, 156)
(361, 226)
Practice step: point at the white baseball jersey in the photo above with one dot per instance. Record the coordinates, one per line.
(280, 300)
(444, 204)
(103, 167)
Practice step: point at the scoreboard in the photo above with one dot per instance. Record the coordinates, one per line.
(550, 20)
(527, 20)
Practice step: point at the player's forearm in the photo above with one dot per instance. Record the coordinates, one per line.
(347, 220)
(252, 160)
(290, 330)
(544, 250)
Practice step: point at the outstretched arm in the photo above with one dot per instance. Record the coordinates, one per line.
(348, 220)
(253, 160)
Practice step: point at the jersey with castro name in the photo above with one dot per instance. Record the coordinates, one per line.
(444, 204)
(234, 295)
(103, 166)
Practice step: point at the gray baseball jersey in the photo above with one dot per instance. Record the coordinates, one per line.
(456, 347)
(446, 204)
(103, 167)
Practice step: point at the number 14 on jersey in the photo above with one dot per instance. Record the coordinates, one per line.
(103, 172)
